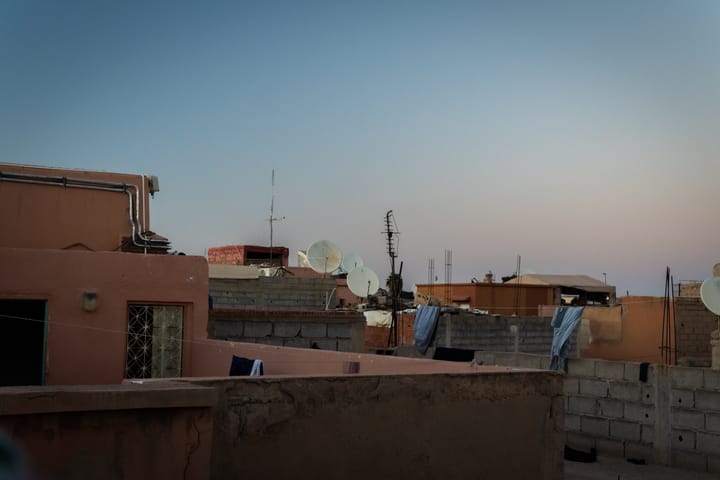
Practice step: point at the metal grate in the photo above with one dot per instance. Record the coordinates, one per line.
(154, 341)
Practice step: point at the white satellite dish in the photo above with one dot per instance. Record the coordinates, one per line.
(324, 256)
(710, 294)
(351, 262)
(363, 282)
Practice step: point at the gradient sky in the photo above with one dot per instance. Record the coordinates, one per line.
(583, 136)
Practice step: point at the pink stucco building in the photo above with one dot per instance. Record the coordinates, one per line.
(88, 293)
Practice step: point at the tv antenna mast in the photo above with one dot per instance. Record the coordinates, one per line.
(272, 218)
(392, 243)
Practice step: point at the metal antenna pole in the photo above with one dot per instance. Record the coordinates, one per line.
(273, 219)
(389, 232)
(448, 277)
(517, 288)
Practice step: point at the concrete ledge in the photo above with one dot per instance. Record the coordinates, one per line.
(428, 417)
(84, 398)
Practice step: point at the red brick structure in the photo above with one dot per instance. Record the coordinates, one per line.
(249, 255)
(376, 338)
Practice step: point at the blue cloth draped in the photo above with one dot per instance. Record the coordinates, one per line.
(426, 319)
(563, 322)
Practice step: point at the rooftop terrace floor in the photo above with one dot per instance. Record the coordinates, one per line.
(607, 468)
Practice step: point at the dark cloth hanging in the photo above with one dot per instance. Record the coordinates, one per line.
(241, 366)
(453, 354)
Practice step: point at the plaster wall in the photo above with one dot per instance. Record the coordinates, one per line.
(111, 432)
(49, 216)
(211, 358)
(90, 347)
(641, 332)
(399, 426)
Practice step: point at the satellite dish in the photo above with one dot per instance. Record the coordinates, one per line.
(362, 281)
(710, 294)
(351, 262)
(324, 256)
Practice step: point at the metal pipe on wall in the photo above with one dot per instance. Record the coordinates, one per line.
(100, 185)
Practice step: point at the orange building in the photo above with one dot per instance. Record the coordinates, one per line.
(495, 298)
(523, 296)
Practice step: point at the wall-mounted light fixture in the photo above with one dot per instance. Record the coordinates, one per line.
(89, 301)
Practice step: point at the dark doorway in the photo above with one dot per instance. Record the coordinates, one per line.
(22, 342)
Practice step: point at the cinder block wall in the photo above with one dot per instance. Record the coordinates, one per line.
(273, 293)
(673, 418)
(497, 333)
(694, 323)
(327, 330)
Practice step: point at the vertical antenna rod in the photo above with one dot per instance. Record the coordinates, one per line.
(273, 218)
(517, 288)
(390, 231)
(448, 277)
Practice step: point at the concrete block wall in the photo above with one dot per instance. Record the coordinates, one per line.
(327, 330)
(673, 418)
(273, 293)
(694, 323)
(496, 333)
(609, 408)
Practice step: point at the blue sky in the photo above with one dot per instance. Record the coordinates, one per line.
(583, 136)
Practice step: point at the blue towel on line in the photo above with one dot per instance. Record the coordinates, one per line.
(563, 322)
(426, 319)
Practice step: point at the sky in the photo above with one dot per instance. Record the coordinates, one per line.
(582, 136)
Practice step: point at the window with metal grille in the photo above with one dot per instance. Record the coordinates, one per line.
(154, 341)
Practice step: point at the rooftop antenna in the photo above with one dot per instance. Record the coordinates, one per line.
(273, 218)
(448, 277)
(517, 288)
(431, 275)
(669, 324)
(392, 243)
